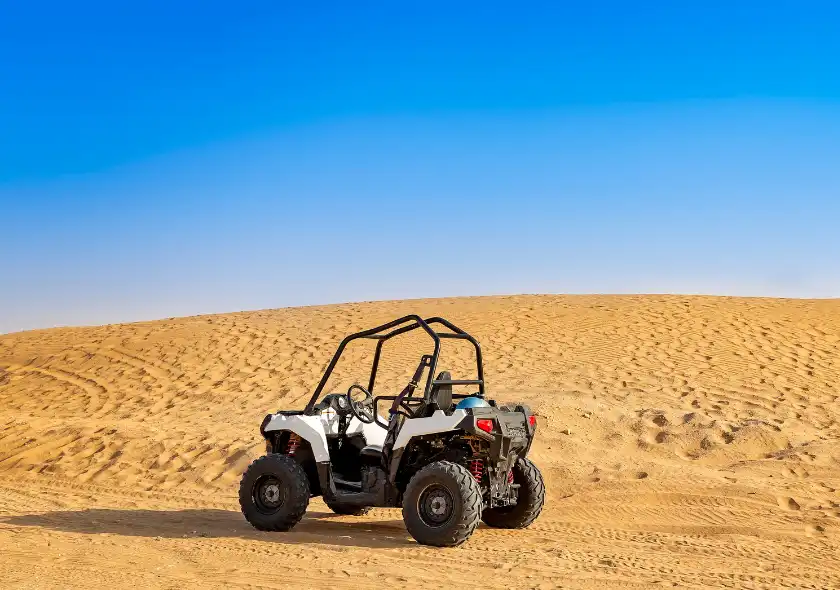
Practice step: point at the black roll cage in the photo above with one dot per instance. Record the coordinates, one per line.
(396, 327)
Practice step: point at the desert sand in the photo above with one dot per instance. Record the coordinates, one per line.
(685, 441)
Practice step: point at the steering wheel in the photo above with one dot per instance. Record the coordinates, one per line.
(362, 410)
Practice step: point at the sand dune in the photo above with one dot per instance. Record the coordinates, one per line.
(686, 441)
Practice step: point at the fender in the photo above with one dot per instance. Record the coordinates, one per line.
(309, 428)
(437, 422)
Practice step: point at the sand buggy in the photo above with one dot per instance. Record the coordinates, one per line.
(448, 460)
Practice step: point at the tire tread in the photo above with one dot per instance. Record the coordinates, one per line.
(298, 495)
(470, 513)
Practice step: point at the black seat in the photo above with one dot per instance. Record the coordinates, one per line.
(440, 398)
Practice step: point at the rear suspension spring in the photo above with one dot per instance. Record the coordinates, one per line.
(477, 469)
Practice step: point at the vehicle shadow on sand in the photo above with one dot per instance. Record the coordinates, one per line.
(316, 527)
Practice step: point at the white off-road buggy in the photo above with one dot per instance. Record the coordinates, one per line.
(448, 464)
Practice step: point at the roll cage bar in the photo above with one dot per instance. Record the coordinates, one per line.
(395, 328)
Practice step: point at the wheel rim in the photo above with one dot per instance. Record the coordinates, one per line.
(436, 505)
(269, 494)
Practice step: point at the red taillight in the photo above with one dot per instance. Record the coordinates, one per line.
(484, 424)
(532, 420)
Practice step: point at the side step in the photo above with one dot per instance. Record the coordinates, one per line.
(359, 498)
(343, 491)
(353, 485)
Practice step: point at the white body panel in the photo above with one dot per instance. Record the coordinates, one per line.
(437, 422)
(315, 429)
(374, 435)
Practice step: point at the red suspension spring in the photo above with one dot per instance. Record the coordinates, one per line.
(477, 469)
(292, 445)
(510, 476)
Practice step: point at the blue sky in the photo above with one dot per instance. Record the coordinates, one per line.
(181, 158)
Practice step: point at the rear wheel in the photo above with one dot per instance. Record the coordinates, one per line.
(347, 509)
(274, 493)
(442, 505)
(529, 504)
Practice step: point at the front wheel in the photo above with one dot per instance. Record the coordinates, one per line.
(442, 504)
(274, 493)
(529, 504)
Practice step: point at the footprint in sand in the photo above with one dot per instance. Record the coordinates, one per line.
(788, 503)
